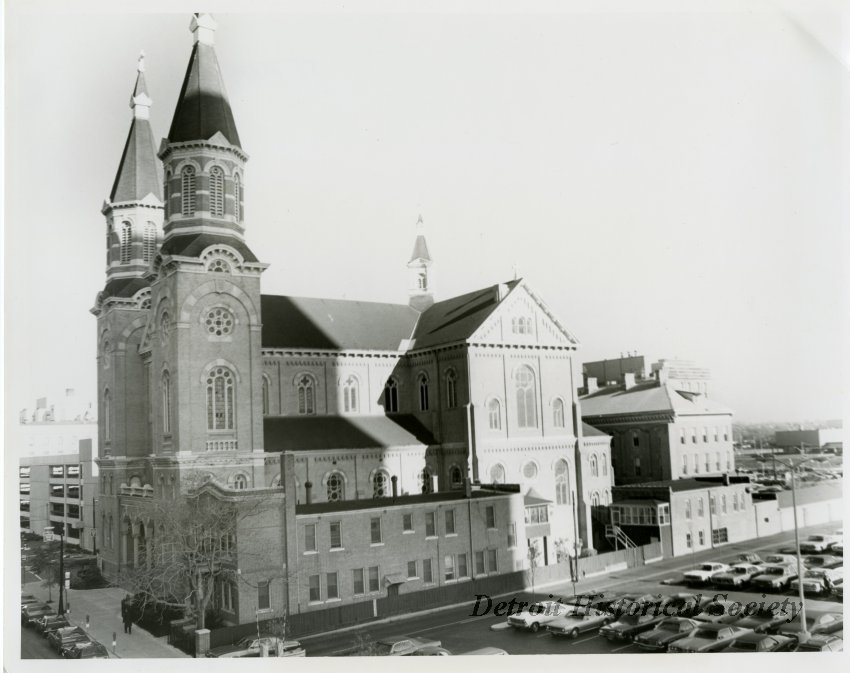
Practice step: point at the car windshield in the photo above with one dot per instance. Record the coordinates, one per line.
(816, 573)
(740, 571)
(672, 627)
(247, 641)
(628, 619)
(773, 571)
(707, 567)
(746, 646)
(816, 538)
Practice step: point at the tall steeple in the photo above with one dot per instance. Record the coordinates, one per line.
(203, 158)
(134, 209)
(420, 288)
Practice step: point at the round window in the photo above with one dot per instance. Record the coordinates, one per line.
(219, 322)
(529, 470)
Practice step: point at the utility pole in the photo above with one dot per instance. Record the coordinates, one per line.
(60, 610)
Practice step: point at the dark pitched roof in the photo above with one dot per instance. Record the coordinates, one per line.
(303, 322)
(202, 108)
(192, 245)
(457, 318)
(534, 498)
(398, 501)
(420, 249)
(140, 172)
(316, 433)
(124, 287)
(647, 397)
(692, 484)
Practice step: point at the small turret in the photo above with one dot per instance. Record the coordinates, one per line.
(420, 288)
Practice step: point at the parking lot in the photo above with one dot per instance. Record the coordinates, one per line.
(459, 631)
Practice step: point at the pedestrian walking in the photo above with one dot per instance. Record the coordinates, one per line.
(126, 614)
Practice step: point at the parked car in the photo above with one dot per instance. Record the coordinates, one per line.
(825, 623)
(763, 621)
(705, 572)
(708, 638)
(834, 643)
(484, 650)
(50, 622)
(774, 578)
(397, 646)
(819, 580)
(837, 548)
(738, 575)
(747, 557)
(666, 632)
(252, 646)
(838, 589)
(432, 651)
(33, 611)
(579, 621)
(65, 636)
(817, 544)
(721, 612)
(86, 650)
(630, 625)
(822, 561)
(781, 559)
(539, 614)
(685, 605)
(761, 642)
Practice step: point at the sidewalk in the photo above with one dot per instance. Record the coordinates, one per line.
(103, 607)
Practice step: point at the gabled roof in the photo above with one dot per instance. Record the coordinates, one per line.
(457, 318)
(192, 245)
(202, 107)
(124, 287)
(590, 431)
(648, 397)
(304, 322)
(140, 172)
(420, 249)
(534, 498)
(317, 433)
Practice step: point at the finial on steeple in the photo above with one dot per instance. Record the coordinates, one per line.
(141, 66)
(203, 27)
(140, 102)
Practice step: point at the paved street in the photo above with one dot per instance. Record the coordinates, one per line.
(33, 646)
(458, 631)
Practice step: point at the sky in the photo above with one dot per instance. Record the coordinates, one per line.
(669, 182)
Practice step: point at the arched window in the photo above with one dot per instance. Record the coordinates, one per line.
(164, 326)
(562, 482)
(106, 357)
(422, 281)
(265, 396)
(594, 499)
(166, 193)
(700, 507)
(526, 398)
(107, 417)
(451, 389)
(497, 474)
(220, 393)
(188, 190)
(594, 466)
(166, 403)
(237, 197)
(425, 481)
(306, 389)
(109, 533)
(494, 412)
(126, 242)
(240, 482)
(455, 477)
(604, 465)
(423, 392)
(688, 508)
(336, 487)
(351, 395)
(558, 413)
(149, 242)
(391, 396)
(529, 470)
(135, 481)
(216, 192)
(381, 484)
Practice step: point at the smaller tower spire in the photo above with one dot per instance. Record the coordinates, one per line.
(420, 290)
(140, 102)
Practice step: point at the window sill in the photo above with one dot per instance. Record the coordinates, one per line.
(333, 600)
(310, 552)
(432, 537)
(410, 579)
(376, 544)
(315, 602)
(333, 549)
(408, 532)
(451, 534)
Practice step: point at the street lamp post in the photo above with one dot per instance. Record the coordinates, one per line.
(60, 609)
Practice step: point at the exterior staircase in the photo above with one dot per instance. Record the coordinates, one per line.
(617, 537)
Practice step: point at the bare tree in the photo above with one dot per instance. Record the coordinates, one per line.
(193, 548)
(44, 562)
(533, 556)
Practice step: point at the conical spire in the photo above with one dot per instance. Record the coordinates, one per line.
(202, 108)
(420, 247)
(139, 172)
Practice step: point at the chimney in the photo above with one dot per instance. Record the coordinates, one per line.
(308, 492)
(591, 384)
(394, 480)
(629, 380)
